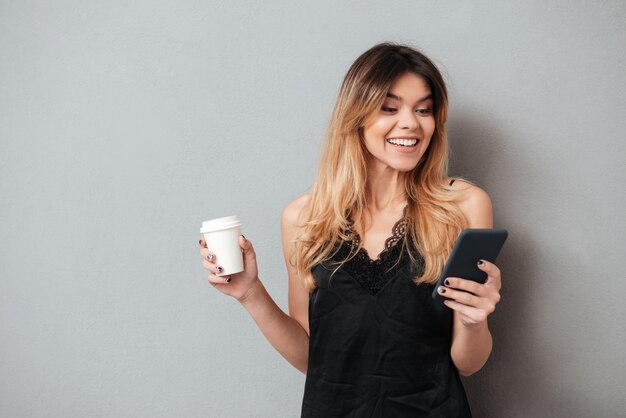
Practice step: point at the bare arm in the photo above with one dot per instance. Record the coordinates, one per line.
(286, 333)
(473, 302)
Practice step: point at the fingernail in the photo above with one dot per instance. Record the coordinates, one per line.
(210, 257)
(227, 279)
(442, 289)
(200, 241)
(481, 263)
(244, 237)
(446, 282)
(219, 269)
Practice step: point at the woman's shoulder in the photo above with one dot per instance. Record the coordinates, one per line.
(293, 212)
(474, 202)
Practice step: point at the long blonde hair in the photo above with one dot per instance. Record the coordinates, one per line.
(433, 221)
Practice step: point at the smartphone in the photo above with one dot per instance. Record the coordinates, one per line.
(471, 246)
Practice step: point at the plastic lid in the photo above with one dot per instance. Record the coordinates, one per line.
(220, 224)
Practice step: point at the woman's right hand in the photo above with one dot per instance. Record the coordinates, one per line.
(237, 285)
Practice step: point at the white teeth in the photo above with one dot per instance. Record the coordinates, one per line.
(403, 142)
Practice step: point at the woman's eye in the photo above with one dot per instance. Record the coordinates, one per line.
(388, 109)
(426, 111)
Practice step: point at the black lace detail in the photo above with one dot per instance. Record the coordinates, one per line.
(373, 274)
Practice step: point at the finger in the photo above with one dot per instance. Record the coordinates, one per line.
(493, 273)
(213, 268)
(487, 296)
(247, 249)
(244, 243)
(460, 296)
(465, 285)
(202, 242)
(213, 279)
(476, 315)
(207, 255)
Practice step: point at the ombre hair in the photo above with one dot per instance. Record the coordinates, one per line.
(338, 197)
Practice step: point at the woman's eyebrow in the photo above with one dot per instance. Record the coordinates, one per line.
(398, 98)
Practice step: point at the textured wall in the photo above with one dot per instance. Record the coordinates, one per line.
(125, 124)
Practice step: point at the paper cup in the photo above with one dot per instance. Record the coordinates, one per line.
(222, 239)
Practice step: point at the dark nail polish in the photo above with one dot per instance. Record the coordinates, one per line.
(446, 282)
(200, 241)
(481, 263)
(442, 289)
(210, 257)
(219, 269)
(244, 237)
(227, 279)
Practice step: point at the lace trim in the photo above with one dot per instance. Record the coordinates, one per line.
(397, 234)
(372, 275)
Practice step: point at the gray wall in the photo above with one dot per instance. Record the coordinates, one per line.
(125, 124)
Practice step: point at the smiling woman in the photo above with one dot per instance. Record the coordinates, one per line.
(365, 330)
(399, 134)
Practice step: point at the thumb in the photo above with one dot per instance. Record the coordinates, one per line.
(246, 248)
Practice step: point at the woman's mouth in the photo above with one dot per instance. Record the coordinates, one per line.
(403, 142)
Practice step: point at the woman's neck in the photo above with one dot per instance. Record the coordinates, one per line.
(385, 190)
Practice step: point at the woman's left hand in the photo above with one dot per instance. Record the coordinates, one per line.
(471, 300)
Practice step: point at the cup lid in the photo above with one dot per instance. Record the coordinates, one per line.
(219, 224)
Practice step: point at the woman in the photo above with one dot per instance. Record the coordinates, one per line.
(364, 249)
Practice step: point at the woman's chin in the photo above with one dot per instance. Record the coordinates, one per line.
(405, 166)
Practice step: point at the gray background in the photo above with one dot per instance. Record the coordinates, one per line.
(123, 125)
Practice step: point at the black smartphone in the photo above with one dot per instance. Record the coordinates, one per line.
(471, 246)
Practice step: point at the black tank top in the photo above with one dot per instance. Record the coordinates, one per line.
(379, 345)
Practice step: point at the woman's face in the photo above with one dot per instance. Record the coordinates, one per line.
(398, 136)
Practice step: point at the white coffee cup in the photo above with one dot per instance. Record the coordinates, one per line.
(222, 239)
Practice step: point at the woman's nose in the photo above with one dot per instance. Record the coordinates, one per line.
(408, 119)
